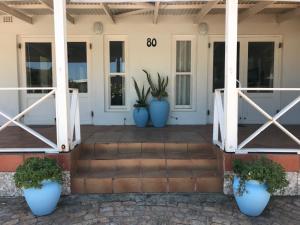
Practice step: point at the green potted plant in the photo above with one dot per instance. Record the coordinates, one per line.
(254, 182)
(40, 179)
(159, 106)
(140, 112)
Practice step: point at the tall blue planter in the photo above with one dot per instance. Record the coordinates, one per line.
(140, 116)
(255, 198)
(159, 112)
(43, 201)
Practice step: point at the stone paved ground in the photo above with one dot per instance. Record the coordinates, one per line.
(154, 209)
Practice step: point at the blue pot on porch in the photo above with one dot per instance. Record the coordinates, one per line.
(159, 112)
(42, 201)
(140, 116)
(254, 199)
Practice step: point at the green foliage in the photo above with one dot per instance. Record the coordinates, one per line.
(262, 170)
(35, 170)
(142, 96)
(158, 91)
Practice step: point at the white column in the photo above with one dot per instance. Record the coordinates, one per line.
(62, 91)
(230, 95)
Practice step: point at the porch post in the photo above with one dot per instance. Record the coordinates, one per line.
(230, 94)
(62, 90)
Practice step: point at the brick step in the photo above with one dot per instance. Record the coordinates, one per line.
(146, 167)
(106, 150)
(145, 164)
(205, 181)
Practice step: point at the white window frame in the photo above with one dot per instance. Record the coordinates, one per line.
(192, 73)
(243, 70)
(107, 74)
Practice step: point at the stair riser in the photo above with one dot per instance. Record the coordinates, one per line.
(112, 148)
(146, 185)
(149, 164)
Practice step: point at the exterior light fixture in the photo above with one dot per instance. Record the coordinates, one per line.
(203, 28)
(98, 28)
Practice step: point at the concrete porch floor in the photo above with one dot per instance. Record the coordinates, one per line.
(15, 137)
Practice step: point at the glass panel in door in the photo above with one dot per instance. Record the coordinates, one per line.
(260, 64)
(219, 64)
(77, 66)
(38, 60)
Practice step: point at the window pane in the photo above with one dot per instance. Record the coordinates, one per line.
(183, 56)
(260, 64)
(77, 66)
(117, 90)
(117, 58)
(38, 65)
(219, 64)
(183, 89)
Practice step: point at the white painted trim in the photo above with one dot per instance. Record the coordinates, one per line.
(193, 73)
(230, 93)
(106, 56)
(62, 90)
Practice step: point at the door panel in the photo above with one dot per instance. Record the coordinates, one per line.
(78, 69)
(37, 71)
(257, 67)
(261, 71)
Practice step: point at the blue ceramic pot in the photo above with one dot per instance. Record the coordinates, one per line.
(254, 200)
(43, 201)
(159, 112)
(140, 116)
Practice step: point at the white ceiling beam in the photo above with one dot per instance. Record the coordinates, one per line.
(108, 12)
(258, 7)
(49, 5)
(288, 15)
(145, 6)
(135, 12)
(205, 10)
(156, 11)
(6, 9)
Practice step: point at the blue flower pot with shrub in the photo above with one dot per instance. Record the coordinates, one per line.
(159, 112)
(254, 200)
(140, 116)
(254, 182)
(140, 112)
(159, 107)
(40, 179)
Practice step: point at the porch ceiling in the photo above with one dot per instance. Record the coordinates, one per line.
(27, 9)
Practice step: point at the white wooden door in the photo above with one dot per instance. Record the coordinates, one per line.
(79, 69)
(260, 69)
(258, 66)
(37, 70)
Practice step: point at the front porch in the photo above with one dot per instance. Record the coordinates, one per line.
(15, 137)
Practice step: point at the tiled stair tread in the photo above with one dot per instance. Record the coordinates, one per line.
(147, 147)
(148, 174)
(106, 156)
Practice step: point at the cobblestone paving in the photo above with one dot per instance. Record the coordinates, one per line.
(152, 209)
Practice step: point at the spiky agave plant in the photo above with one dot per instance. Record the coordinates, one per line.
(158, 91)
(142, 96)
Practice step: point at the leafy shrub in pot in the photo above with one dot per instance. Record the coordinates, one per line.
(159, 106)
(40, 179)
(254, 182)
(140, 112)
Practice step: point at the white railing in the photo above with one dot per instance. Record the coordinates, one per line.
(74, 121)
(219, 121)
(75, 135)
(218, 124)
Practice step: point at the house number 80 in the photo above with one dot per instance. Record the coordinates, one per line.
(151, 42)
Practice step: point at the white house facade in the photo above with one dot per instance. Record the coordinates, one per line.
(66, 77)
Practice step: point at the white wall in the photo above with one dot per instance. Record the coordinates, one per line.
(153, 59)
(9, 102)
